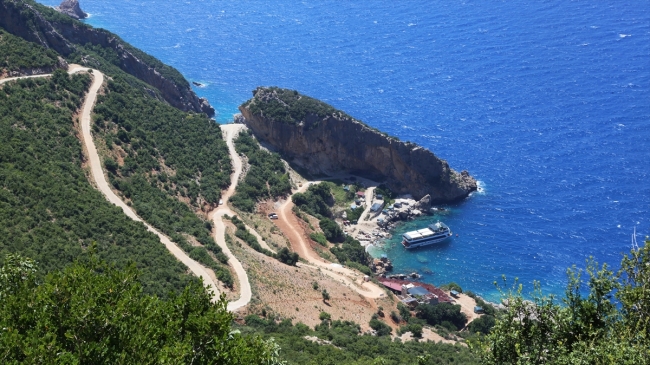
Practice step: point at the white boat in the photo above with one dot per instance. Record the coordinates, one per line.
(434, 233)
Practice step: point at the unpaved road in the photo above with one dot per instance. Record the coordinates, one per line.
(370, 193)
(230, 131)
(100, 180)
(289, 225)
(2, 81)
(103, 186)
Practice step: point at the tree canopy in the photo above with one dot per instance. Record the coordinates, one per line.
(19, 54)
(608, 325)
(94, 313)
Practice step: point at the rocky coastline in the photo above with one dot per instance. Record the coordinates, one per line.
(66, 35)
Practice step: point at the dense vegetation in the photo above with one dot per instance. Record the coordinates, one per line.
(440, 313)
(106, 54)
(317, 201)
(610, 325)
(48, 210)
(165, 162)
(331, 230)
(288, 106)
(351, 253)
(172, 162)
(267, 177)
(95, 313)
(348, 346)
(18, 54)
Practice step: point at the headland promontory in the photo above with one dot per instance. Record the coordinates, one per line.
(325, 141)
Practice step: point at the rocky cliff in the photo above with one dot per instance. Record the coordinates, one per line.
(61, 64)
(71, 8)
(323, 140)
(45, 26)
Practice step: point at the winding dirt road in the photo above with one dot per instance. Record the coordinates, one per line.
(230, 131)
(100, 180)
(103, 186)
(289, 225)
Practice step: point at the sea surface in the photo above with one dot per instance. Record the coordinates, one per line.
(547, 103)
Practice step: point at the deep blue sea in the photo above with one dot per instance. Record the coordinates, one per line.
(547, 103)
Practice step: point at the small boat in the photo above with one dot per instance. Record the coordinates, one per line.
(434, 233)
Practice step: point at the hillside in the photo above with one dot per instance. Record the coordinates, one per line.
(323, 140)
(98, 48)
(48, 210)
(183, 150)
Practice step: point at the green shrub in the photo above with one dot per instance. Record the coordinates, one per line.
(48, 209)
(331, 230)
(440, 313)
(316, 201)
(19, 54)
(287, 257)
(351, 250)
(380, 327)
(98, 314)
(288, 106)
(319, 238)
(267, 177)
(482, 324)
(404, 311)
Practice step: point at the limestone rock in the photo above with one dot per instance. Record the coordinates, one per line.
(424, 204)
(206, 107)
(327, 141)
(238, 119)
(71, 8)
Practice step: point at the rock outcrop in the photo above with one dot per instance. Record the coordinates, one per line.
(424, 204)
(39, 24)
(72, 9)
(322, 140)
(61, 64)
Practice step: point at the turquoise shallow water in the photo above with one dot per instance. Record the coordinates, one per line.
(546, 103)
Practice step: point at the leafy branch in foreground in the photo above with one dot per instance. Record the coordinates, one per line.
(94, 313)
(611, 325)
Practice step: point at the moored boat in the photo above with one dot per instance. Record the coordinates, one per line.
(434, 233)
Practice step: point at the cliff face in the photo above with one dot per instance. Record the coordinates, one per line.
(328, 141)
(44, 26)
